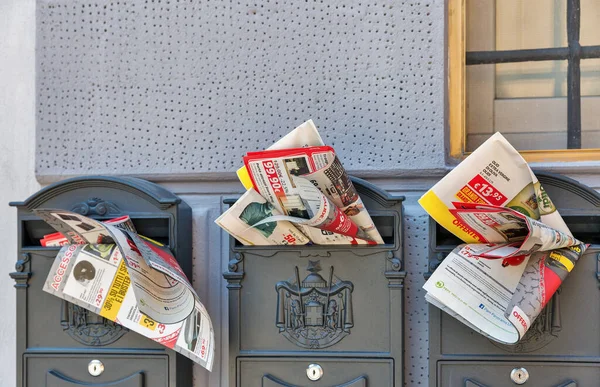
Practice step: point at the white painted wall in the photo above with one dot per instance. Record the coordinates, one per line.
(17, 153)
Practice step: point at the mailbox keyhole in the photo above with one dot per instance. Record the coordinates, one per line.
(314, 372)
(519, 375)
(95, 367)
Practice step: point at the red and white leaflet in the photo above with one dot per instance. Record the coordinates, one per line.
(306, 135)
(53, 240)
(277, 176)
(333, 181)
(510, 232)
(303, 136)
(130, 281)
(494, 202)
(250, 209)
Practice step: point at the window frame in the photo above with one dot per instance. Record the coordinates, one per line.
(456, 67)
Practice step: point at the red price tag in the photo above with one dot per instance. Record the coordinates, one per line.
(99, 297)
(203, 349)
(487, 191)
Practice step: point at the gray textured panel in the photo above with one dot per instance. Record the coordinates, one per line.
(416, 341)
(186, 87)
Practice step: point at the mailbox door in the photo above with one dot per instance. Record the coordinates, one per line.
(336, 372)
(346, 303)
(70, 370)
(496, 374)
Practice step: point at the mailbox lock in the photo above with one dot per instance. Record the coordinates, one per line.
(519, 375)
(95, 368)
(314, 372)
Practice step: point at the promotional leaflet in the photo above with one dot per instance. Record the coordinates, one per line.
(242, 218)
(278, 175)
(58, 239)
(303, 136)
(519, 248)
(125, 278)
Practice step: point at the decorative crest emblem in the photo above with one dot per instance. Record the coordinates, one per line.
(314, 313)
(88, 328)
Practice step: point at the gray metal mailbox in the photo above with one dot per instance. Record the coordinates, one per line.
(350, 331)
(60, 344)
(562, 348)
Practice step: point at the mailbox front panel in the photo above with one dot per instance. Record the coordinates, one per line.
(56, 339)
(352, 315)
(338, 306)
(65, 325)
(562, 347)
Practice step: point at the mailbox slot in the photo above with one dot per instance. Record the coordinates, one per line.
(586, 228)
(385, 224)
(156, 228)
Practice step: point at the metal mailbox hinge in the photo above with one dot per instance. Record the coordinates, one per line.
(21, 276)
(235, 272)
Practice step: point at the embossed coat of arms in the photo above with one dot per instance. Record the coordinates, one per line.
(315, 312)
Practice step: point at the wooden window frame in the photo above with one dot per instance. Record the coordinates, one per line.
(457, 97)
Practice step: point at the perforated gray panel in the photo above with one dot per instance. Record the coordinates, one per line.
(187, 87)
(416, 240)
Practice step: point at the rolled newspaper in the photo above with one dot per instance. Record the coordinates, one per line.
(291, 181)
(241, 221)
(132, 281)
(520, 249)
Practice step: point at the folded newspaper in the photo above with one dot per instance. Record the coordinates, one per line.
(519, 248)
(110, 270)
(242, 218)
(58, 239)
(311, 188)
(304, 188)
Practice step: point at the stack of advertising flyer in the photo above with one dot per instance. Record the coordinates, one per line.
(518, 249)
(110, 270)
(298, 193)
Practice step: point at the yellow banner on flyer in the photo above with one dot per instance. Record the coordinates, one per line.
(244, 177)
(147, 322)
(434, 206)
(116, 293)
(566, 262)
